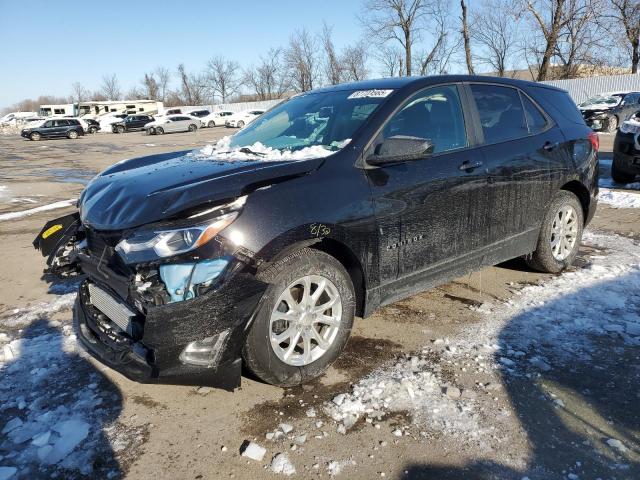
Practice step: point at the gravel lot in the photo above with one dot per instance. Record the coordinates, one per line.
(489, 376)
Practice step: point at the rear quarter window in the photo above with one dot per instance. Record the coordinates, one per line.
(558, 104)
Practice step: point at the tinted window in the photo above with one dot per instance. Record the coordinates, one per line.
(558, 104)
(500, 112)
(535, 119)
(435, 115)
(48, 124)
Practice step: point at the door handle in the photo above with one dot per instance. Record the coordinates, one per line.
(468, 166)
(548, 146)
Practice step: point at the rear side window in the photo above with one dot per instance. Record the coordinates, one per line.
(536, 121)
(434, 114)
(558, 104)
(501, 113)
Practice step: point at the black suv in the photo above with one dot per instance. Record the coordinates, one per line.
(131, 123)
(260, 249)
(626, 152)
(607, 111)
(57, 127)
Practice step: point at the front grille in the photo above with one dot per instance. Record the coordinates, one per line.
(116, 310)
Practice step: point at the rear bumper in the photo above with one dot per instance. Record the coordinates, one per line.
(625, 154)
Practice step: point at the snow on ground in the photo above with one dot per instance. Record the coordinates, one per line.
(223, 151)
(42, 208)
(619, 198)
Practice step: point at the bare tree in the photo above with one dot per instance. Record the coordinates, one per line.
(301, 59)
(135, 93)
(436, 58)
(270, 79)
(353, 62)
(223, 77)
(400, 21)
(150, 86)
(391, 60)
(494, 29)
(466, 38)
(78, 92)
(332, 67)
(626, 13)
(111, 87)
(163, 76)
(193, 87)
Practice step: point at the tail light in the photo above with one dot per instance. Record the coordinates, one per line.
(595, 140)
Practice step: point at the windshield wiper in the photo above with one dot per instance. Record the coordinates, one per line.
(246, 150)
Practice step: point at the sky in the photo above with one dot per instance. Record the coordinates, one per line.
(45, 46)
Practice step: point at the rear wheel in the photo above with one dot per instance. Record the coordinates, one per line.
(211, 124)
(619, 176)
(560, 235)
(240, 124)
(193, 127)
(304, 318)
(72, 134)
(160, 131)
(35, 136)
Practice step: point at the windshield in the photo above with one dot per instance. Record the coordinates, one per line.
(609, 100)
(326, 119)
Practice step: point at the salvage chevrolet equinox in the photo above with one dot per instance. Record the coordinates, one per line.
(259, 250)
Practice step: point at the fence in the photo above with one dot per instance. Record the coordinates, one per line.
(582, 88)
(233, 107)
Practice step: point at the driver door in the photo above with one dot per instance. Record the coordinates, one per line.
(431, 212)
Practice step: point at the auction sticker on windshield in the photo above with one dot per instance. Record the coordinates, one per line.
(370, 94)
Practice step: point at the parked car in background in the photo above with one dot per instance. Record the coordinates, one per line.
(55, 127)
(239, 120)
(109, 119)
(606, 111)
(198, 113)
(172, 111)
(92, 125)
(626, 151)
(173, 123)
(330, 205)
(216, 119)
(131, 123)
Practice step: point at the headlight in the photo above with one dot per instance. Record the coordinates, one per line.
(630, 127)
(149, 245)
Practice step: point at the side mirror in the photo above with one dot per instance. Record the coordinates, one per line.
(399, 148)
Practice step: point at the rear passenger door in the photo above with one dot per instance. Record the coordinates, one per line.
(525, 159)
(60, 128)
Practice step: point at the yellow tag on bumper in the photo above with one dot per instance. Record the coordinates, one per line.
(51, 230)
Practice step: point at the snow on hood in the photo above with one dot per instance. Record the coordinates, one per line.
(222, 150)
(597, 106)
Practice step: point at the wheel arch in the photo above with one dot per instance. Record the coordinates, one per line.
(580, 191)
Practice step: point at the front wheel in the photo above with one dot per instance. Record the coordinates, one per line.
(35, 136)
(211, 124)
(240, 124)
(612, 124)
(304, 319)
(72, 134)
(192, 127)
(619, 176)
(92, 130)
(160, 131)
(560, 235)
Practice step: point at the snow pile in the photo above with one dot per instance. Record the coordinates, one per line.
(222, 150)
(559, 321)
(409, 386)
(619, 199)
(24, 316)
(42, 208)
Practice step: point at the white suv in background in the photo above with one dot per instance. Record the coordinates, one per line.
(239, 120)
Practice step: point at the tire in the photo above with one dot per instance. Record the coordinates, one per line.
(619, 176)
(72, 134)
(119, 129)
(151, 131)
(160, 130)
(240, 124)
(193, 127)
(35, 136)
(211, 124)
(92, 130)
(546, 258)
(260, 354)
(612, 124)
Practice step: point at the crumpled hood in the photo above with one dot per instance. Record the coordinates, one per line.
(149, 189)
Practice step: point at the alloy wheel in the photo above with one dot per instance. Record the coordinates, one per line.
(564, 232)
(305, 321)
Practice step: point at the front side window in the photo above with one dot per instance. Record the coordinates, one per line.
(435, 115)
(324, 119)
(501, 113)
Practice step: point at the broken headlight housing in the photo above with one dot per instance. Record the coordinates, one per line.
(150, 245)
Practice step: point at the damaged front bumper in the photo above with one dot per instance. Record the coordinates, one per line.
(137, 321)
